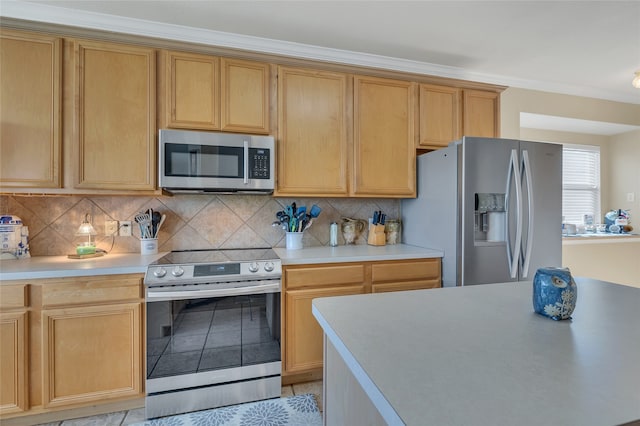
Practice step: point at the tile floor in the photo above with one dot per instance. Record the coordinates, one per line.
(123, 418)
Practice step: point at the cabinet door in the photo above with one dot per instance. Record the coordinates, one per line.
(303, 336)
(244, 100)
(30, 139)
(192, 91)
(115, 116)
(481, 113)
(13, 362)
(91, 353)
(313, 132)
(439, 115)
(384, 144)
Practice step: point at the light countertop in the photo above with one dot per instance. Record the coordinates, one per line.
(604, 238)
(354, 253)
(479, 355)
(42, 267)
(61, 266)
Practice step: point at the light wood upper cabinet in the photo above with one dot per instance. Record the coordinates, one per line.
(115, 116)
(481, 113)
(189, 94)
(384, 137)
(244, 96)
(30, 126)
(204, 92)
(448, 113)
(313, 132)
(440, 115)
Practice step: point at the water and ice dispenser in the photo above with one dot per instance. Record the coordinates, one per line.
(489, 217)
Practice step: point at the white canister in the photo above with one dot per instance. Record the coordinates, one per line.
(149, 246)
(333, 234)
(294, 240)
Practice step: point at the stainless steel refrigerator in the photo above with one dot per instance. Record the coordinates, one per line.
(494, 206)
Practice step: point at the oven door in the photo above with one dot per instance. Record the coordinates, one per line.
(207, 346)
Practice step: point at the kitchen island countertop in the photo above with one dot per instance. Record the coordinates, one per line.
(42, 267)
(354, 253)
(479, 355)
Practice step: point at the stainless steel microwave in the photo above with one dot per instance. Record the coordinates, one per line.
(192, 161)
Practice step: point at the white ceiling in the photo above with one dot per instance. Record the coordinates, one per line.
(584, 48)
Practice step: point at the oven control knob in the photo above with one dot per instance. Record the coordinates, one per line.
(159, 273)
(269, 266)
(177, 271)
(253, 267)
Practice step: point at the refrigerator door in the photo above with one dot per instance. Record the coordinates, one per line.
(484, 173)
(541, 170)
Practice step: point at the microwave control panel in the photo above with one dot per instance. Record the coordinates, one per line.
(259, 160)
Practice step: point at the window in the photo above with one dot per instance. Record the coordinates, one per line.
(580, 183)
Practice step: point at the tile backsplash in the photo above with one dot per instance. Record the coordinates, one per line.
(193, 221)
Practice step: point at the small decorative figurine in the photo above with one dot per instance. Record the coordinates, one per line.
(554, 293)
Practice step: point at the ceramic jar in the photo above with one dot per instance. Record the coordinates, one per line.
(351, 229)
(392, 230)
(554, 293)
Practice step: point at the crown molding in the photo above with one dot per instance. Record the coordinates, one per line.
(97, 21)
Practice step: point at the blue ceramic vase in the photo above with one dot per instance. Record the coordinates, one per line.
(554, 293)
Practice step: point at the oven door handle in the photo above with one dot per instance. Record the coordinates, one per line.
(161, 295)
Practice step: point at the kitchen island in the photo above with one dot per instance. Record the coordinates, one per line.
(479, 355)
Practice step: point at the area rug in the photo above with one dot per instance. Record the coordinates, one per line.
(299, 410)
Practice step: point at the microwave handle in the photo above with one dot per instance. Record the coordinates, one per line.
(246, 162)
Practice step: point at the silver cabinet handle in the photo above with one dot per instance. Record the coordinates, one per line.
(161, 295)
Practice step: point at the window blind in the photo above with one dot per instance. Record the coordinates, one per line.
(580, 183)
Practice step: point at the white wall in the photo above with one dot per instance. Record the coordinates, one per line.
(620, 154)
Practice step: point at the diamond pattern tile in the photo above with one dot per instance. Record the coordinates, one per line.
(193, 221)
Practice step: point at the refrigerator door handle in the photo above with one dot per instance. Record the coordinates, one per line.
(526, 171)
(514, 174)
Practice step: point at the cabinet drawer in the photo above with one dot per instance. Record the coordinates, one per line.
(324, 276)
(398, 271)
(83, 291)
(403, 286)
(13, 296)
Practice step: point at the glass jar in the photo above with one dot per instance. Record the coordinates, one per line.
(392, 231)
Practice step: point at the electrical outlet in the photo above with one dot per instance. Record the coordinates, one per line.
(631, 196)
(125, 228)
(110, 228)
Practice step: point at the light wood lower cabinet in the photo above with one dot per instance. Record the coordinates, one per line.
(79, 342)
(302, 347)
(91, 353)
(14, 347)
(13, 363)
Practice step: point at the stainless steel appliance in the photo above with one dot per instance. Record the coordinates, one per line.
(494, 206)
(213, 329)
(206, 162)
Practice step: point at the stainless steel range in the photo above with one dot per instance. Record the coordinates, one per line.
(213, 329)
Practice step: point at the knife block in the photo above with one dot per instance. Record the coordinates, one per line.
(376, 235)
